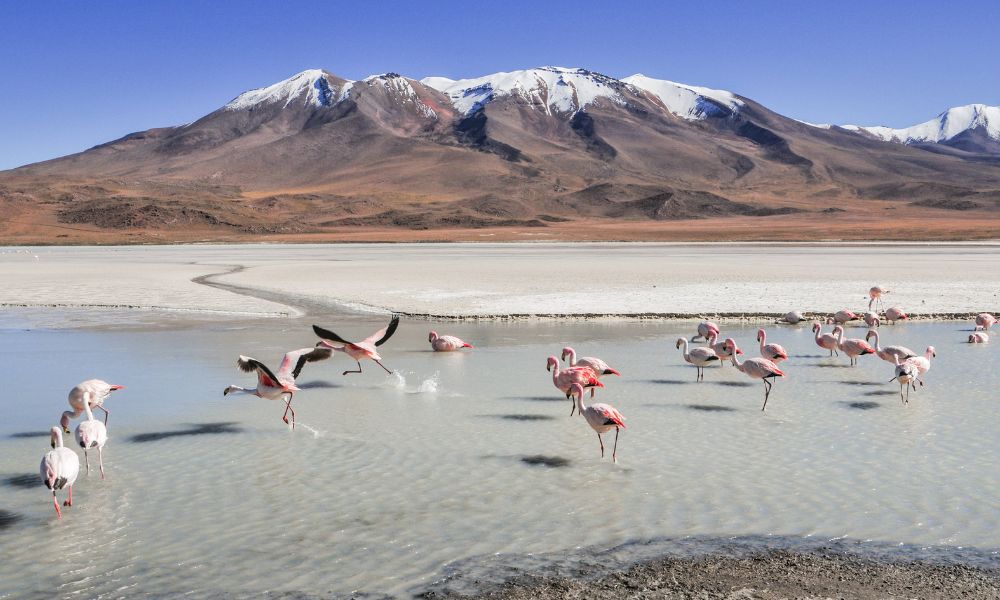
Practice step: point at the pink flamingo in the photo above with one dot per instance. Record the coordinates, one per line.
(721, 350)
(871, 320)
(875, 295)
(825, 340)
(446, 343)
(90, 434)
(602, 418)
(890, 353)
(906, 374)
(984, 321)
(59, 469)
(706, 329)
(792, 318)
(757, 368)
(97, 391)
(564, 379)
(980, 337)
(894, 313)
(699, 357)
(852, 347)
(597, 365)
(362, 349)
(772, 352)
(277, 387)
(843, 316)
(923, 363)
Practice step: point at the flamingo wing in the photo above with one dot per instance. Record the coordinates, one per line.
(293, 362)
(328, 335)
(611, 415)
(264, 375)
(382, 335)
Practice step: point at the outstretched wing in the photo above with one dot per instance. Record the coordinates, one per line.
(382, 335)
(293, 362)
(264, 375)
(326, 334)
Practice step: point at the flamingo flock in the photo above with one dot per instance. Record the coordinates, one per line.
(60, 467)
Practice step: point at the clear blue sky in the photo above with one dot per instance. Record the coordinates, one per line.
(77, 73)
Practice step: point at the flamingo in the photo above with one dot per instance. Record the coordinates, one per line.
(894, 313)
(825, 340)
(699, 357)
(984, 321)
(91, 433)
(706, 329)
(889, 353)
(564, 379)
(773, 352)
(852, 347)
(721, 350)
(60, 468)
(843, 316)
(906, 374)
(276, 387)
(602, 418)
(597, 365)
(980, 337)
(757, 368)
(445, 343)
(793, 318)
(98, 390)
(871, 319)
(923, 363)
(875, 295)
(362, 349)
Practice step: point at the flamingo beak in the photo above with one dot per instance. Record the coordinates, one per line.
(738, 351)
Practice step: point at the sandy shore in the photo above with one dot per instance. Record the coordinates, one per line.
(489, 280)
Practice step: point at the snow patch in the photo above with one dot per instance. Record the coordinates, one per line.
(689, 102)
(312, 83)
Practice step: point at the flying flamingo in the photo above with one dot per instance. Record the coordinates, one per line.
(91, 434)
(923, 363)
(875, 295)
(60, 468)
(597, 365)
(906, 374)
(706, 329)
(894, 313)
(852, 347)
(843, 316)
(871, 319)
(445, 343)
(362, 349)
(794, 317)
(825, 340)
(772, 352)
(564, 379)
(277, 387)
(984, 321)
(757, 368)
(699, 357)
(98, 391)
(721, 350)
(890, 353)
(602, 418)
(980, 337)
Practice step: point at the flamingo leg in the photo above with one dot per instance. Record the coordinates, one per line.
(379, 363)
(602, 444)
(901, 400)
(69, 501)
(592, 392)
(100, 458)
(767, 393)
(86, 459)
(572, 411)
(614, 452)
(55, 502)
(358, 371)
(288, 407)
(106, 415)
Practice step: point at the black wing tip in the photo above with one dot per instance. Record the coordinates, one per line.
(391, 329)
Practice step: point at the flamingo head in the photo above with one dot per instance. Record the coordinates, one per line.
(816, 326)
(760, 334)
(115, 387)
(566, 352)
(64, 421)
(55, 437)
(432, 336)
(680, 341)
(931, 352)
(576, 390)
(839, 329)
(730, 345)
(552, 362)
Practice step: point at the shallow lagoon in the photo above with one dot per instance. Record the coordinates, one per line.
(388, 480)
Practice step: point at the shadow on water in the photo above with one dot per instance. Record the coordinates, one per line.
(523, 417)
(29, 480)
(881, 393)
(833, 366)
(670, 381)
(867, 383)
(867, 405)
(196, 429)
(811, 356)
(8, 518)
(552, 398)
(710, 408)
(29, 434)
(733, 383)
(540, 460)
(317, 385)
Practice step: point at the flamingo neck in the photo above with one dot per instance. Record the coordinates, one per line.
(571, 355)
(86, 409)
(736, 361)
(580, 406)
(684, 350)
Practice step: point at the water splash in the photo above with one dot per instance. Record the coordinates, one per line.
(427, 386)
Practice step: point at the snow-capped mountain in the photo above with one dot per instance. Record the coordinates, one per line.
(687, 101)
(954, 127)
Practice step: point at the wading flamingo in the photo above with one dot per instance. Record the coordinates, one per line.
(602, 418)
(875, 297)
(843, 316)
(90, 434)
(772, 352)
(923, 363)
(564, 379)
(599, 366)
(721, 350)
(906, 375)
(446, 343)
(984, 321)
(277, 387)
(362, 349)
(825, 340)
(894, 313)
(890, 353)
(757, 368)
(852, 347)
(793, 318)
(706, 329)
(59, 469)
(98, 390)
(871, 320)
(699, 357)
(980, 337)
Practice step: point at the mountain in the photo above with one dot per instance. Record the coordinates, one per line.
(553, 149)
(972, 128)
